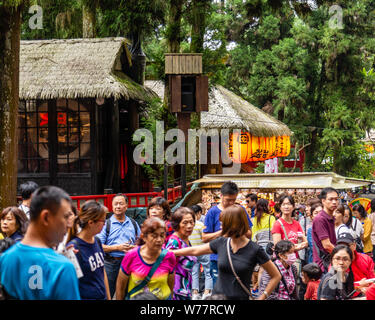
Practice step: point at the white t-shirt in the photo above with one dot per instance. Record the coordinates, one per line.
(356, 229)
(25, 209)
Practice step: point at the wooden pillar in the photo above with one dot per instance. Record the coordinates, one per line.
(183, 122)
(134, 170)
(52, 145)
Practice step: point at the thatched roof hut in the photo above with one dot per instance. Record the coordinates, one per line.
(229, 111)
(77, 68)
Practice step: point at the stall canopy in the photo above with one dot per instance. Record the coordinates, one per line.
(304, 180)
(271, 182)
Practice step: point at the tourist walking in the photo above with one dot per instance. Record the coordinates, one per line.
(148, 268)
(237, 257)
(31, 269)
(93, 285)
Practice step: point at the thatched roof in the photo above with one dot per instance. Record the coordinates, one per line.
(229, 111)
(76, 68)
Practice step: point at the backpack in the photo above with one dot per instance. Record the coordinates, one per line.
(108, 225)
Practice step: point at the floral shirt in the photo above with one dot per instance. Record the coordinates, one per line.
(183, 278)
(169, 231)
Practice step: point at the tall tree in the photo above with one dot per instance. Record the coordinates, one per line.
(10, 29)
(173, 32)
(292, 57)
(89, 18)
(199, 11)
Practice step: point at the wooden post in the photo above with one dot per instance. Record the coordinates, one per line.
(165, 182)
(183, 122)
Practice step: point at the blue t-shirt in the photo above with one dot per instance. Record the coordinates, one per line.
(213, 224)
(31, 273)
(91, 261)
(253, 212)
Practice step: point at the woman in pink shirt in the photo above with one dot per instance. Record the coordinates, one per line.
(286, 228)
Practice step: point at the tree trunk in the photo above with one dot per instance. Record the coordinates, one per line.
(198, 26)
(10, 26)
(174, 25)
(89, 19)
(138, 68)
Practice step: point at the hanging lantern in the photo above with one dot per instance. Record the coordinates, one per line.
(244, 147)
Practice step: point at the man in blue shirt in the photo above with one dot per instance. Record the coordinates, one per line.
(118, 237)
(31, 269)
(251, 200)
(229, 192)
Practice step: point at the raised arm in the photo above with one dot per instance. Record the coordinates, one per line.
(194, 251)
(207, 237)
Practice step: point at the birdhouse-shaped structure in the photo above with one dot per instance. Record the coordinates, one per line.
(188, 87)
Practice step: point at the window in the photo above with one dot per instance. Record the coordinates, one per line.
(33, 137)
(72, 140)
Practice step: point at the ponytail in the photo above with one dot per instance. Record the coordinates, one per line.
(91, 210)
(73, 231)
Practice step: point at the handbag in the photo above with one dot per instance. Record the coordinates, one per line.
(235, 274)
(149, 276)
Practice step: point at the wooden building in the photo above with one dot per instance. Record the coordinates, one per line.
(226, 110)
(78, 110)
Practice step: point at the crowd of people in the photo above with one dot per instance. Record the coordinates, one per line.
(320, 250)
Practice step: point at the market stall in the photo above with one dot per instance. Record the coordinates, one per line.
(302, 186)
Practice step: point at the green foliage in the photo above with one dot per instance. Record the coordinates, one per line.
(123, 17)
(318, 80)
(62, 19)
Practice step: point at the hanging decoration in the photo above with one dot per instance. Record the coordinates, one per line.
(244, 147)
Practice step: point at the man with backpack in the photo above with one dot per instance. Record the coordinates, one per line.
(118, 236)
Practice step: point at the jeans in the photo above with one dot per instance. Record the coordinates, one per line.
(112, 268)
(205, 262)
(214, 271)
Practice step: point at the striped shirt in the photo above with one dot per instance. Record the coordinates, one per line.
(196, 236)
(261, 233)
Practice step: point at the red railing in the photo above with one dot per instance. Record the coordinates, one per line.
(135, 199)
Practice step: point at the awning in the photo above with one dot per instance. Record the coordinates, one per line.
(304, 180)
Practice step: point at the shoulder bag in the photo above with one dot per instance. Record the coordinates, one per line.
(282, 226)
(149, 276)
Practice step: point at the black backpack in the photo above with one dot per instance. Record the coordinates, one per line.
(108, 225)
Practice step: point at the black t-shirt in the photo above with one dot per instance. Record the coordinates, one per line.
(244, 261)
(331, 289)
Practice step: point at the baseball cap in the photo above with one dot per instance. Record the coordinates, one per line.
(345, 237)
